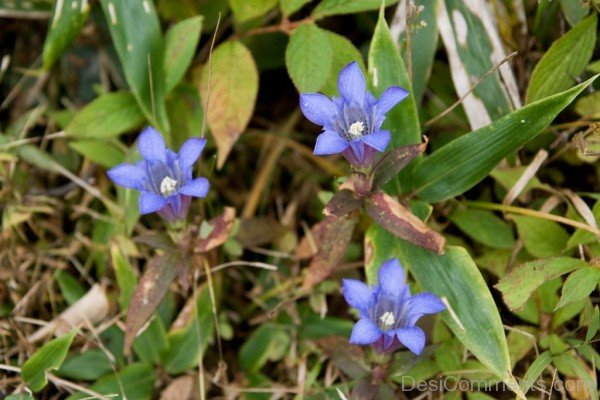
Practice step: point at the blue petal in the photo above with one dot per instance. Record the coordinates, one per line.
(197, 188)
(378, 140)
(190, 151)
(329, 142)
(318, 108)
(421, 304)
(151, 202)
(391, 279)
(365, 332)
(390, 97)
(351, 84)
(152, 145)
(358, 147)
(357, 294)
(413, 338)
(127, 175)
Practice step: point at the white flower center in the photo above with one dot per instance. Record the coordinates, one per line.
(356, 130)
(388, 319)
(168, 186)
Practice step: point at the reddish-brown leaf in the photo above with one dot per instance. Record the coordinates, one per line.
(332, 236)
(393, 162)
(221, 229)
(393, 217)
(153, 285)
(343, 202)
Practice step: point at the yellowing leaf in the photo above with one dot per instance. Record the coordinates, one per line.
(233, 90)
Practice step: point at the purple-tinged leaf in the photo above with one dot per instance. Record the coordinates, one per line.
(393, 217)
(156, 240)
(343, 202)
(152, 287)
(332, 236)
(221, 229)
(394, 161)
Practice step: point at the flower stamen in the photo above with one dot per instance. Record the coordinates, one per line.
(168, 186)
(387, 319)
(356, 130)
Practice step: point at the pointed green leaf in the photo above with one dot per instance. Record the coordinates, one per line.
(579, 285)
(337, 7)
(180, 46)
(465, 161)
(564, 61)
(308, 58)
(49, 356)
(68, 17)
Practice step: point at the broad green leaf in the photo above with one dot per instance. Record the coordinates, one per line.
(386, 69)
(465, 161)
(520, 283)
(309, 57)
(535, 370)
(135, 381)
(344, 53)
(484, 227)
(102, 152)
(541, 237)
(574, 11)
(233, 90)
(564, 61)
(68, 17)
(50, 356)
(188, 341)
(267, 342)
(473, 46)
(111, 114)
(150, 344)
(180, 46)
(288, 7)
(337, 7)
(136, 35)
(244, 10)
(424, 39)
(87, 366)
(455, 277)
(579, 285)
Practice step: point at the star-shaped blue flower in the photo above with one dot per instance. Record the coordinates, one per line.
(163, 177)
(351, 123)
(388, 312)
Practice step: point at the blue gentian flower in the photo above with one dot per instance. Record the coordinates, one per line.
(163, 177)
(388, 312)
(352, 122)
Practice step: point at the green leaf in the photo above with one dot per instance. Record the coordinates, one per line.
(135, 31)
(309, 58)
(87, 366)
(581, 372)
(579, 285)
(233, 90)
(268, 342)
(68, 17)
(541, 237)
(50, 356)
(180, 46)
(344, 53)
(288, 7)
(517, 286)
(535, 370)
(386, 69)
(185, 112)
(150, 344)
(126, 277)
(455, 277)
(188, 342)
(589, 106)
(110, 114)
(484, 227)
(338, 7)
(462, 163)
(594, 326)
(574, 11)
(564, 61)
(135, 381)
(69, 286)
(102, 152)
(244, 10)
